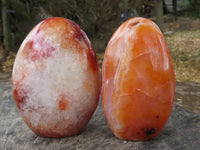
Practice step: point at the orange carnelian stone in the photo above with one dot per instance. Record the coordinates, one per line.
(137, 81)
(55, 78)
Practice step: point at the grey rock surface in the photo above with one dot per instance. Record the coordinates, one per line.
(187, 94)
(182, 131)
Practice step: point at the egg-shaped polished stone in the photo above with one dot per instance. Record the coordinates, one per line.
(137, 81)
(55, 78)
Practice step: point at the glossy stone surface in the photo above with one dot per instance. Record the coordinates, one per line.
(137, 81)
(55, 79)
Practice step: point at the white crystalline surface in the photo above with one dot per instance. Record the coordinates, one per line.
(43, 83)
(63, 74)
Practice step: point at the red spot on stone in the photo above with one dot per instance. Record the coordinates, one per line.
(28, 46)
(133, 24)
(62, 104)
(92, 59)
(43, 53)
(18, 99)
(38, 30)
(78, 33)
(45, 50)
(79, 36)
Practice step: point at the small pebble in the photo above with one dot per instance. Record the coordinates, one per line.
(125, 142)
